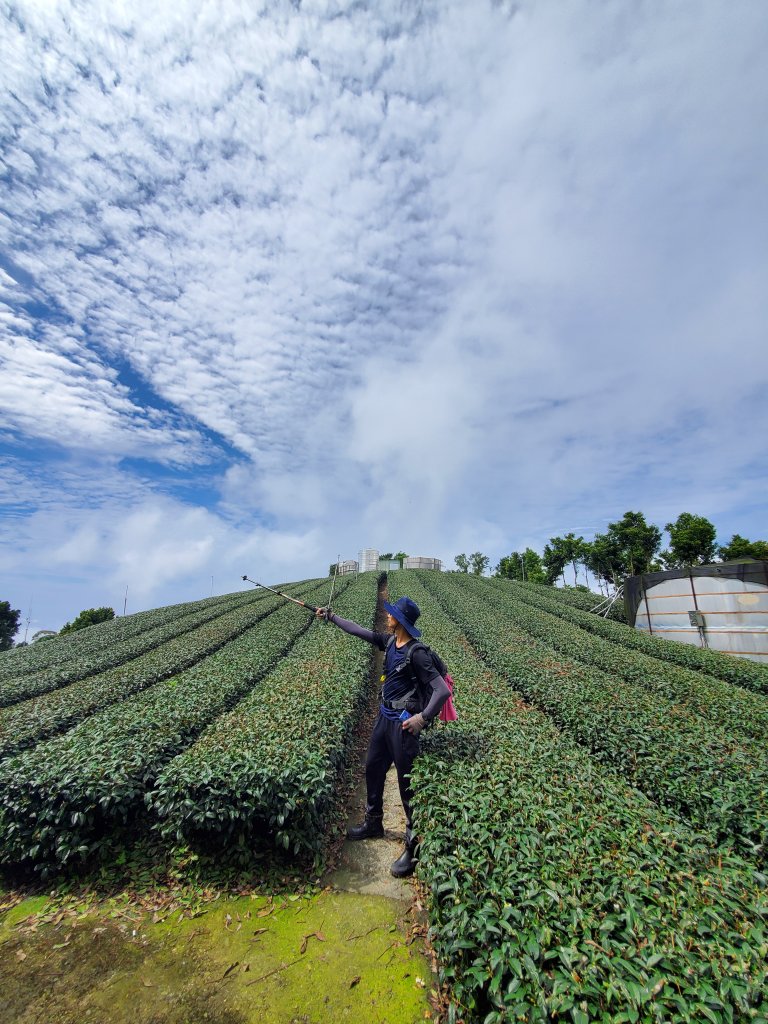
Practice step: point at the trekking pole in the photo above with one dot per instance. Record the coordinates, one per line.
(333, 585)
(304, 604)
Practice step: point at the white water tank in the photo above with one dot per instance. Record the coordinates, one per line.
(368, 559)
(420, 562)
(723, 606)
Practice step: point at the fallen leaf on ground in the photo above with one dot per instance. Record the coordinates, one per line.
(317, 935)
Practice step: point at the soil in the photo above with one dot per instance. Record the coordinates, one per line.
(332, 956)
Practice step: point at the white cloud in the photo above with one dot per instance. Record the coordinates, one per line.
(452, 278)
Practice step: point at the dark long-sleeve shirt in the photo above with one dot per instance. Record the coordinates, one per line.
(395, 686)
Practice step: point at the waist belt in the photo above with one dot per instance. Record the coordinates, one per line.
(401, 704)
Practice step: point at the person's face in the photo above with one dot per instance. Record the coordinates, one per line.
(391, 623)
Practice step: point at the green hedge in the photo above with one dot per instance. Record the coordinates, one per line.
(86, 643)
(731, 669)
(62, 799)
(25, 724)
(103, 658)
(569, 597)
(267, 771)
(556, 891)
(671, 754)
(730, 707)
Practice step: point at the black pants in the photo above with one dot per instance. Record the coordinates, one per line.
(390, 743)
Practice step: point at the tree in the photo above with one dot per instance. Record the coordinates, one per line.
(603, 558)
(9, 625)
(479, 562)
(332, 568)
(522, 566)
(740, 547)
(462, 562)
(510, 567)
(43, 634)
(386, 556)
(573, 547)
(637, 540)
(627, 548)
(88, 617)
(401, 557)
(556, 554)
(534, 568)
(692, 541)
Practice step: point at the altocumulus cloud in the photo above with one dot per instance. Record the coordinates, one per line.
(285, 282)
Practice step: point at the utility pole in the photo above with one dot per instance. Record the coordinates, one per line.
(125, 602)
(522, 567)
(29, 619)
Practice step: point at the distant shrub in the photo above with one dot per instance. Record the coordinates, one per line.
(88, 617)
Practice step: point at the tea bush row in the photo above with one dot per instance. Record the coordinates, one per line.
(730, 707)
(105, 657)
(62, 799)
(83, 643)
(25, 724)
(555, 890)
(739, 671)
(266, 772)
(672, 755)
(570, 597)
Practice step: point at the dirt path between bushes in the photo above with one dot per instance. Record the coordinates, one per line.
(363, 865)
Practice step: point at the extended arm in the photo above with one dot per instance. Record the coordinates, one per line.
(377, 639)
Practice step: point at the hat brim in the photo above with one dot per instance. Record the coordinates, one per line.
(397, 614)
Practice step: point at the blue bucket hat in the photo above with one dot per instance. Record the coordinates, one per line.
(406, 612)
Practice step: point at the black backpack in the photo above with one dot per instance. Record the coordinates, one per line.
(420, 693)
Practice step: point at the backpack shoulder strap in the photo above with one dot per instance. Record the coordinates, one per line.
(437, 661)
(414, 645)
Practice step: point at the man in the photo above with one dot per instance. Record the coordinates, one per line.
(395, 736)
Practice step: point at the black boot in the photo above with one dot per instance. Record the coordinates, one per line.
(405, 864)
(371, 828)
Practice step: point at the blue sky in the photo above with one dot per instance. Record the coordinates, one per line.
(282, 281)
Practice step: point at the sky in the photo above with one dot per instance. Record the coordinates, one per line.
(281, 281)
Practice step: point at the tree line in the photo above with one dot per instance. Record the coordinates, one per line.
(9, 624)
(628, 547)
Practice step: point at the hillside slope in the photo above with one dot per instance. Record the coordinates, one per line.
(593, 827)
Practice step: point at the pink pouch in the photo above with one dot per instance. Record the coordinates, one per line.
(448, 711)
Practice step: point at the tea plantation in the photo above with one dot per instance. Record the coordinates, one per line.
(593, 827)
